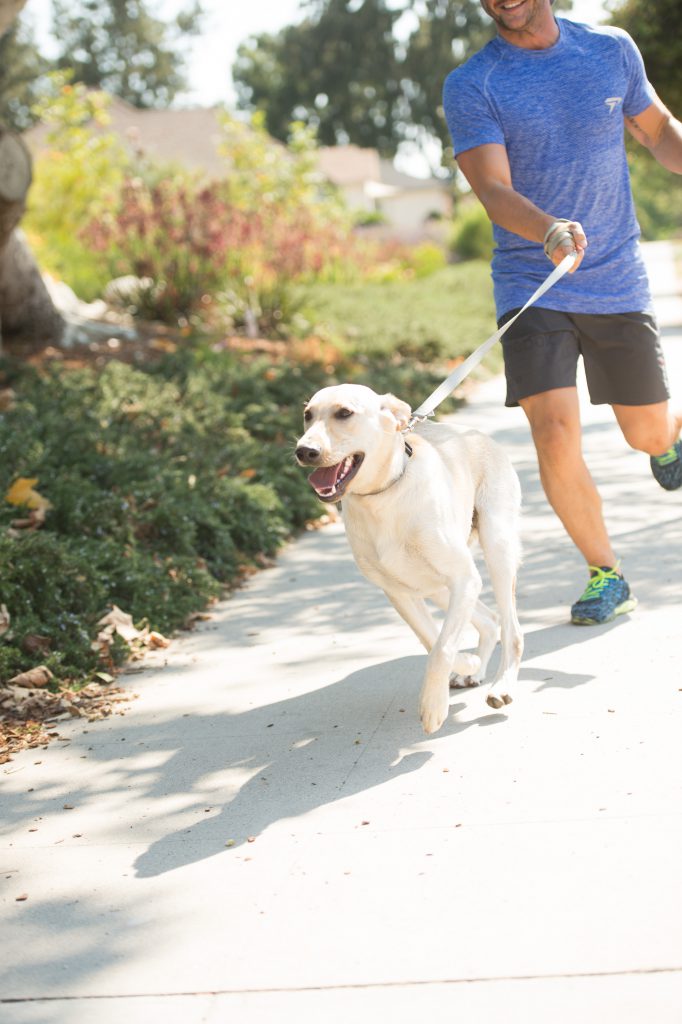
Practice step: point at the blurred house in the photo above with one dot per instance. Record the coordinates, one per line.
(409, 208)
(403, 207)
(188, 137)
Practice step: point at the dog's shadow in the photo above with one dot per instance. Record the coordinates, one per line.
(237, 774)
(291, 758)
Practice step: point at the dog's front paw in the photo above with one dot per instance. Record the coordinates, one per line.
(433, 711)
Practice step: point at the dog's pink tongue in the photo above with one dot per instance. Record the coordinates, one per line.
(324, 478)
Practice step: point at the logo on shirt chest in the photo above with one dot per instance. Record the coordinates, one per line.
(612, 102)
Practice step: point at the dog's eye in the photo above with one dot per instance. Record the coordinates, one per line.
(307, 416)
(343, 414)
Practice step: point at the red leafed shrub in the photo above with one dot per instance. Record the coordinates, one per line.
(188, 243)
(180, 238)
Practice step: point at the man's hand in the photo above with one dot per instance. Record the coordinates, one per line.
(564, 237)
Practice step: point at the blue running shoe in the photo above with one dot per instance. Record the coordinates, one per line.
(667, 468)
(606, 596)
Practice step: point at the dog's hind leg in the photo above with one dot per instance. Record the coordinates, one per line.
(502, 557)
(487, 624)
(416, 614)
(470, 669)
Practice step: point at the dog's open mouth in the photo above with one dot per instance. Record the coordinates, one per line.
(329, 482)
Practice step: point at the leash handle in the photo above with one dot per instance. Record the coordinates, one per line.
(428, 407)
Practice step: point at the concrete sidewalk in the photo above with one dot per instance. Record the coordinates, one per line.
(267, 835)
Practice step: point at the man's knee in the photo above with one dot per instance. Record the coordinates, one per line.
(652, 435)
(556, 437)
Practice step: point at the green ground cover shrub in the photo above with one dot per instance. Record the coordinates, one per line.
(165, 482)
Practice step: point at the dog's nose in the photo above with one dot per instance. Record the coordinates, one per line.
(307, 456)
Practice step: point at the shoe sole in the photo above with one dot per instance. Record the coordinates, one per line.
(621, 609)
(669, 487)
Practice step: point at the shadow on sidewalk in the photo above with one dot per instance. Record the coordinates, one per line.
(302, 754)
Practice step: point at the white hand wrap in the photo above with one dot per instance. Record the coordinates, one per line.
(557, 233)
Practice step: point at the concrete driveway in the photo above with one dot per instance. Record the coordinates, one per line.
(267, 835)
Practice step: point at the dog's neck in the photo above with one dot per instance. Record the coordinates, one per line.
(394, 472)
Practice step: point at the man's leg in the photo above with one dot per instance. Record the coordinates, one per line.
(655, 429)
(649, 428)
(554, 418)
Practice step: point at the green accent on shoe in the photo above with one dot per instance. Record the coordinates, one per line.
(667, 457)
(607, 595)
(667, 468)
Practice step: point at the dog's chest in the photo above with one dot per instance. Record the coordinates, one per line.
(390, 556)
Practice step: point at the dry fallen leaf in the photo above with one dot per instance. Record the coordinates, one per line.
(22, 492)
(24, 713)
(4, 619)
(35, 677)
(118, 621)
(158, 640)
(7, 399)
(163, 345)
(34, 643)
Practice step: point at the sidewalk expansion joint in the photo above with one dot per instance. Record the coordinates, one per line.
(350, 986)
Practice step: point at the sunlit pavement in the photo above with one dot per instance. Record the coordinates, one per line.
(267, 835)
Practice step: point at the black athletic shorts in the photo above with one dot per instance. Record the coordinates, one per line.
(624, 363)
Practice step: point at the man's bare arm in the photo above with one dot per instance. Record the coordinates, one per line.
(660, 132)
(487, 170)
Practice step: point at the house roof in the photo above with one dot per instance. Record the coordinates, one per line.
(353, 165)
(408, 182)
(349, 165)
(189, 136)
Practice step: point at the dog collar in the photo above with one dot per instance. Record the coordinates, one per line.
(409, 451)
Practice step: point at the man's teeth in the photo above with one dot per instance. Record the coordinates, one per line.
(511, 7)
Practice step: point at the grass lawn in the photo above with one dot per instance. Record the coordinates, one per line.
(442, 316)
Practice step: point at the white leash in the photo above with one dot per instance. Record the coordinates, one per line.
(428, 407)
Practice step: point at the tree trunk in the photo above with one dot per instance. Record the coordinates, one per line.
(8, 12)
(26, 309)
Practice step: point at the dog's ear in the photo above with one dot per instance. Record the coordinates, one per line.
(399, 410)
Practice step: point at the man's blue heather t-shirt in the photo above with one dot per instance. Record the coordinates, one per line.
(559, 113)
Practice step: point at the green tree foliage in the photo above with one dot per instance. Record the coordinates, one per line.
(337, 71)
(447, 33)
(20, 68)
(658, 196)
(658, 34)
(76, 177)
(369, 72)
(657, 30)
(118, 46)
